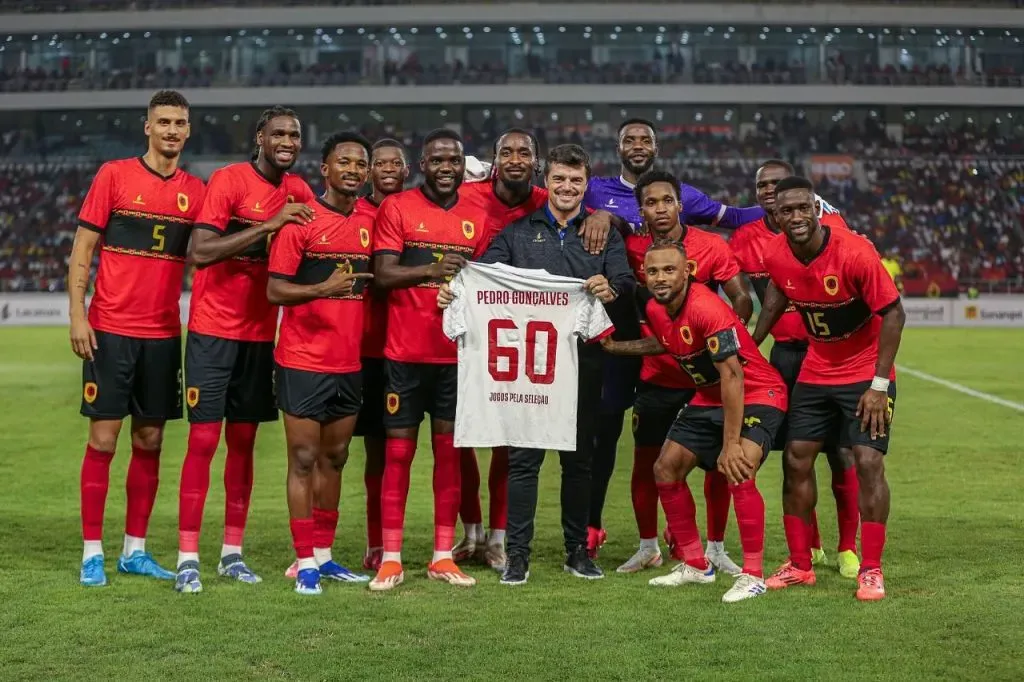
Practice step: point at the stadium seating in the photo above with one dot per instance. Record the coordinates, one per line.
(955, 210)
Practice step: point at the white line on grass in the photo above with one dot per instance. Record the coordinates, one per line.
(987, 397)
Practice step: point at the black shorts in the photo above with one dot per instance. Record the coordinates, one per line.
(816, 411)
(654, 411)
(416, 388)
(130, 376)
(318, 396)
(227, 379)
(371, 414)
(788, 357)
(699, 430)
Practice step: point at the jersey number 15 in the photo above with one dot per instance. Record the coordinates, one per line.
(510, 354)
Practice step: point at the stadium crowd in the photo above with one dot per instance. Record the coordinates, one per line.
(946, 201)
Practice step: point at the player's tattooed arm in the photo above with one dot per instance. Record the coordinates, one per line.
(738, 292)
(645, 346)
(209, 247)
(775, 303)
(389, 274)
(83, 338)
(732, 463)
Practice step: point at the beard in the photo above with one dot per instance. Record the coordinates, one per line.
(640, 169)
(517, 186)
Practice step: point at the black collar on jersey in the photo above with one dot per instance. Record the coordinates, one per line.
(542, 215)
(332, 209)
(682, 306)
(264, 176)
(370, 200)
(165, 178)
(826, 233)
(448, 207)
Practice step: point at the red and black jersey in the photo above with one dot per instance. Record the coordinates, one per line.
(839, 295)
(481, 195)
(711, 262)
(323, 335)
(229, 299)
(145, 220)
(706, 330)
(375, 314)
(748, 244)
(420, 232)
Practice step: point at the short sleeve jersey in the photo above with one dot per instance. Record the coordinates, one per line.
(711, 262)
(375, 313)
(419, 232)
(839, 296)
(748, 243)
(145, 221)
(323, 335)
(482, 196)
(229, 299)
(706, 330)
(517, 334)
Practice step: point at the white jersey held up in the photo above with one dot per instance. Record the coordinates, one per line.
(517, 331)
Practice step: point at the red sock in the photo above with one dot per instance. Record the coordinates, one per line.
(847, 494)
(303, 531)
(143, 480)
(644, 491)
(798, 535)
(94, 484)
(395, 490)
(373, 477)
(325, 526)
(447, 488)
(469, 506)
(716, 495)
(241, 440)
(195, 483)
(872, 542)
(497, 487)
(681, 513)
(815, 535)
(750, 518)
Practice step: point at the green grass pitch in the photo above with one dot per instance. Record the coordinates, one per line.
(956, 544)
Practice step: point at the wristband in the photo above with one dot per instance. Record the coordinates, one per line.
(880, 384)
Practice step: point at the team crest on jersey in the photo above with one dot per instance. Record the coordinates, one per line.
(182, 202)
(392, 403)
(636, 422)
(364, 237)
(831, 283)
(693, 267)
(468, 229)
(713, 344)
(89, 392)
(192, 396)
(687, 335)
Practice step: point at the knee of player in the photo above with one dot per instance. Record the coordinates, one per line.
(150, 438)
(870, 464)
(303, 457)
(665, 470)
(103, 434)
(798, 459)
(336, 455)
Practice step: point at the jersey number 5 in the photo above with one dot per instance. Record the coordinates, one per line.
(510, 354)
(158, 237)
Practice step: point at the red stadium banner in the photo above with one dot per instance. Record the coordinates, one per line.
(833, 167)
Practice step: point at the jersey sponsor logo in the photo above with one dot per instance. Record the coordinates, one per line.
(364, 237)
(192, 396)
(468, 229)
(89, 392)
(789, 284)
(323, 240)
(421, 228)
(687, 335)
(138, 201)
(392, 403)
(182, 202)
(256, 208)
(539, 238)
(713, 345)
(831, 283)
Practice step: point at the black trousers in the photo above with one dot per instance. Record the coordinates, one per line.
(524, 470)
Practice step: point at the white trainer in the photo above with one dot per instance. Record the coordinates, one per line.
(645, 557)
(745, 587)
(719, 558)
(683, 574)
